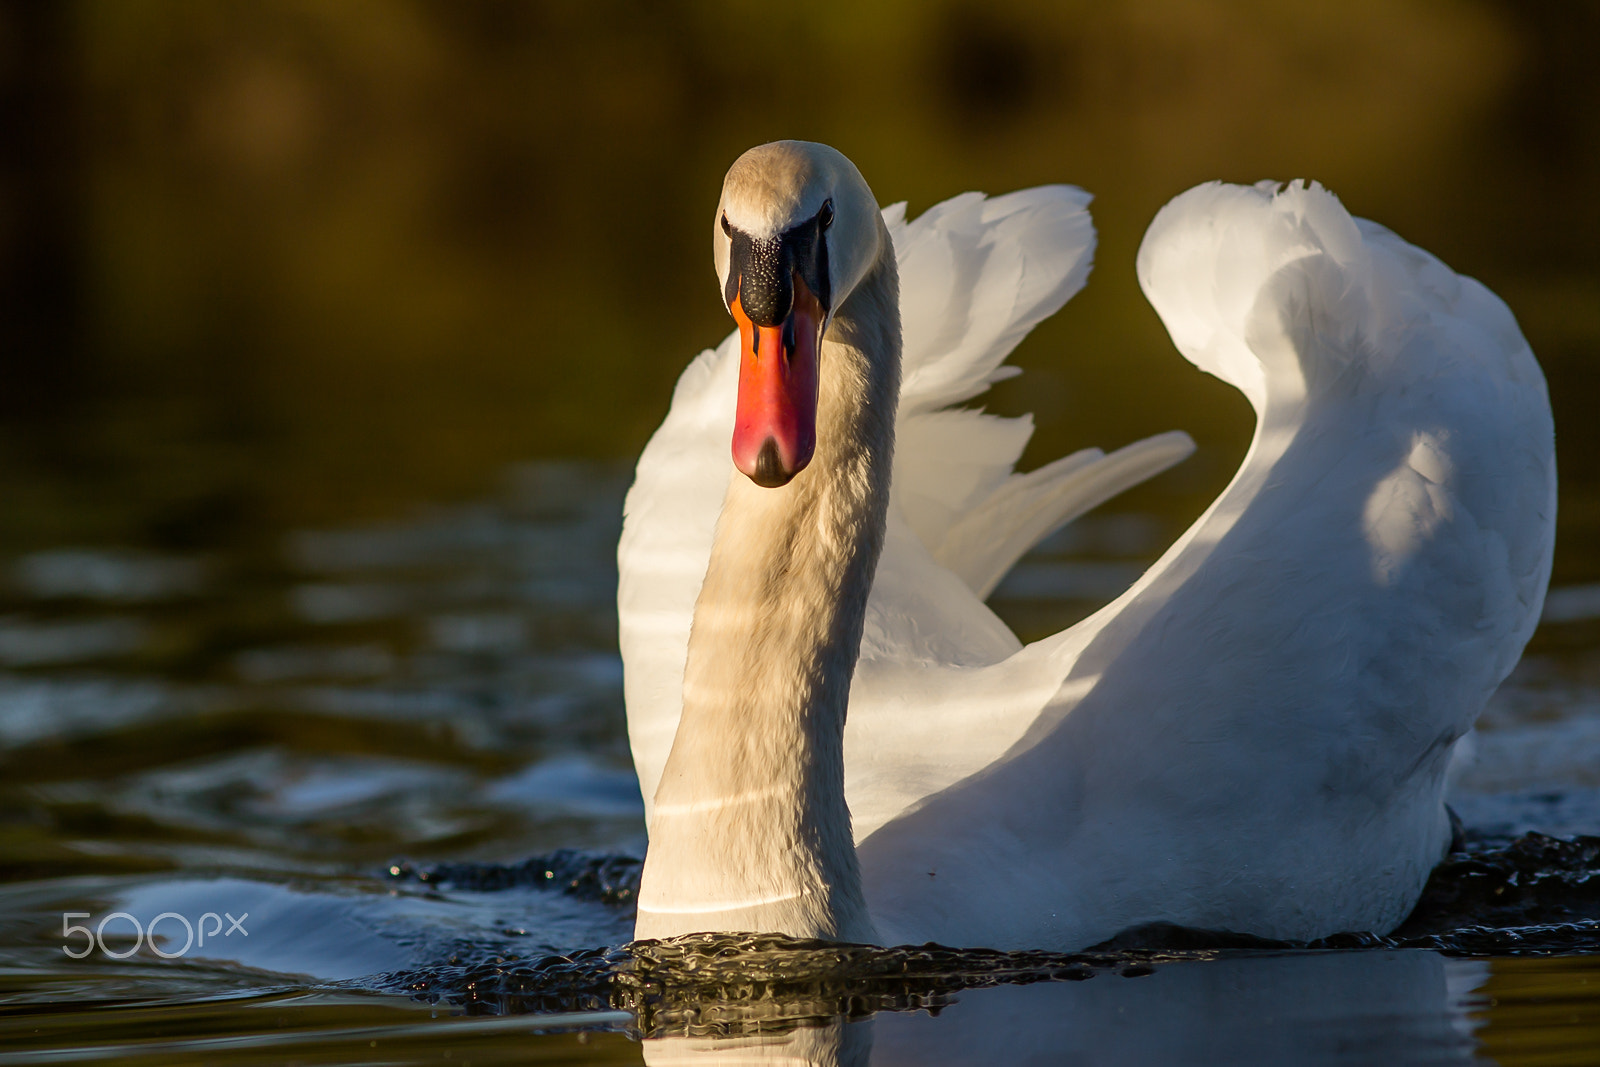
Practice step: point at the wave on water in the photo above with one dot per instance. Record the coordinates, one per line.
(1532, 895)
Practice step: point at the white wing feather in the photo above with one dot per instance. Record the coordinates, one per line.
(1256, 735)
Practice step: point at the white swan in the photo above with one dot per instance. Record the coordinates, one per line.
(1254, 737)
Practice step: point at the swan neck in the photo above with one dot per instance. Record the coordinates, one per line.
(750, 829)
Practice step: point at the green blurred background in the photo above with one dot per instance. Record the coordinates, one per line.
(267, 264)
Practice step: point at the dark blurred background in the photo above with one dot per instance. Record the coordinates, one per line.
(268, 264)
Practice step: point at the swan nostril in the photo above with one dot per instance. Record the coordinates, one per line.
(769, 472)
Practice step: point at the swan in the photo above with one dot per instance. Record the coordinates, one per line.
(837, 739)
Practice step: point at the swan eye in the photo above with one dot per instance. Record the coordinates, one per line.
(726, 229)
(825, 216)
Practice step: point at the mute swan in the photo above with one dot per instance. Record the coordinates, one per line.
(1253, 737)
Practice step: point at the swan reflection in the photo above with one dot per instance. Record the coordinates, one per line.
(1309, 1008)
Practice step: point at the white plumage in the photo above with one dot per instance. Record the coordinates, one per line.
(1254, 737)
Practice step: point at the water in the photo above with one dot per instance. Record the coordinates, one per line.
(343, 747)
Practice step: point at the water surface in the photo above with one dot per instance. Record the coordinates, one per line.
(336, 740)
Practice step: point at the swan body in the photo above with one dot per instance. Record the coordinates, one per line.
(1253, 737)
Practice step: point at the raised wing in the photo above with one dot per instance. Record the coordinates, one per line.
(1255, 736)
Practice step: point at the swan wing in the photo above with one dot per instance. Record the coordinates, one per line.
(943, 688)
(976, 274)
(1256, 735)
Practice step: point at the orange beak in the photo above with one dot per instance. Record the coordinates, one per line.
(775, 428)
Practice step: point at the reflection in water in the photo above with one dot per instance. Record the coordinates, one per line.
(837, 1043)
(1406, 1007)
(1410, 1006)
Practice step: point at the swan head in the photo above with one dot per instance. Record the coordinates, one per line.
(796, 231)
